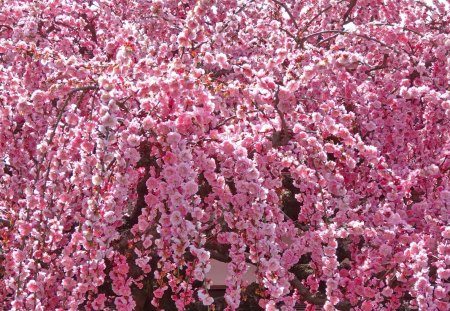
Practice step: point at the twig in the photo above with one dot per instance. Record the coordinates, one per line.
(90, 26)
(285, 7)
(69, 96)
(110, 164)
(225, 26)
(224, 122)
(403, 28)
(290, 34)
(322, 32)
(58, 119)
(277, 101)
(4, 223)
(282, 137)
(314, 18)
(327, 39)
(343, 32)
(351, 5)
(382, 66)
(316, 299)
(377, 41)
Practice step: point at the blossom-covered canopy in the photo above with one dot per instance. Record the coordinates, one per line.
(139, 140)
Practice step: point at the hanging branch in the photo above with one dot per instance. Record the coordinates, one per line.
(66, 103)
(283, 136)
(351, 5)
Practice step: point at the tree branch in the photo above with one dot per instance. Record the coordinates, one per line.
(351, 5)
(66, 102)
(382, 66)
(314, 18)
(285, 7)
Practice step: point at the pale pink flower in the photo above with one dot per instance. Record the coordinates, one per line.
(446, 233)
(18, 255)
(228, 147)
(96, 180)
(202, 255)
(366, 306)
(445, 196)
(133, 140)
(191, 188)
(387, 292)
(109, 120)
(222, 60)
(148, 241)
(443, 273)
(233, 238)
(292, 86)
(173, 138)
(72, 119)
(32, 286)
(385, 249)
(24, 228)
(198, 274)
(270, 306)
(99, 302)
(176, 218)
(69, 283)
(273, 264)
(148, 123)
(110, 216)
(159, 292)
(208, 58)
(208, 300)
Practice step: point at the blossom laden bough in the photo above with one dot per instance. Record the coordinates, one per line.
(142, 140)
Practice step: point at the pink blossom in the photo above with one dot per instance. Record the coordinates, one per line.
(273, 264)
(443, 273)
(366, 306)
(124, 303)
(446, 232)
(207, 301)
(72, 119)
(25, 228)
(191, 188)
(109, 120)
(32, 286)
(109, 216)
(176, 218)
(173, 138)
(222, 60)
(445, 196)
(202, 255)
(99, 302)
(387, 291)
(96, 180)
(158, 293)
(133, 140)
(198, 275)
(385, 249)
(270, 306)
(18, 255)
(148, 241)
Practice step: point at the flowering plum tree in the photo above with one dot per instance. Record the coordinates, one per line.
(139, 140)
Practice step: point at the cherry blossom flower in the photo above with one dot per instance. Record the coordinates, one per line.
(32, 286)
(176, 218)
(191, 188)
